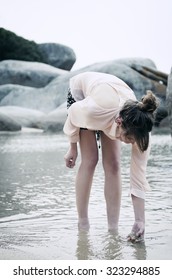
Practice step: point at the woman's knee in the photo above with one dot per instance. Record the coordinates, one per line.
(90, 162)
(112, 166)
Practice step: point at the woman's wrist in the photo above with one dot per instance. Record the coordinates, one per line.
(139, 208)
(73, 146)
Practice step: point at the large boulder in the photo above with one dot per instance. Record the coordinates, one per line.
(32, 74)
(54, 121)
(5, 90)
(32, 98)
(169, 100)
(27, 97)
(16, 47)
(58, 55)
(23, 116)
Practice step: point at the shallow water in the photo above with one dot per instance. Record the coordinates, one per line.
(38, 218)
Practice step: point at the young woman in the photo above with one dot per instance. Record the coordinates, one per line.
(103, 105)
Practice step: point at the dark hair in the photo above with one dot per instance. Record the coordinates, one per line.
(138, 118)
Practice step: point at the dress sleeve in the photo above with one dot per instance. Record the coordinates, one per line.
(138, 182)
(75, 93)
(71, 130)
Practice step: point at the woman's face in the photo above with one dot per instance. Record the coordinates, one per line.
(121, 133)
(125, 138)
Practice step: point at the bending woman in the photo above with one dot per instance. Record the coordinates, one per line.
(102, 104)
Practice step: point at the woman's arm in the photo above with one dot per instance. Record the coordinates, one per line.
(138, 181)
(139, 186)
(73, 134)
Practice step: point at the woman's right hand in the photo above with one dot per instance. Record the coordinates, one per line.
(71, 156)
(137, 233)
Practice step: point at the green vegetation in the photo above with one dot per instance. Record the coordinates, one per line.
(18, 48)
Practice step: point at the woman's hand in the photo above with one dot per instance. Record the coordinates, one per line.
(71, 155)
(138, 229)
(137, 232)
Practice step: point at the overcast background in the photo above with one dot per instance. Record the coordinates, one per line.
(97, 30)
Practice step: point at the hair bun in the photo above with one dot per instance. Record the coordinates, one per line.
(149, 102)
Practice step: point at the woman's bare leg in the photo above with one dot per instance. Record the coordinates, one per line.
(111, 163)
(89, 159)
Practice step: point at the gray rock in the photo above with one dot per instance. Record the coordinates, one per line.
(31, 98)
(54, 121)
(24, 117)
(32, 74)
(8, 124)
(169, 100)
(5, 90)
(58, 55)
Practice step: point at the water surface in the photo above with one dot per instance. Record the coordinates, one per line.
(38, 218)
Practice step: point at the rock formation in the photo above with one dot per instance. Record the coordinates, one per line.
(139, 74)
(8, 124)
(169, 99)
(15, 47)
(26, 73)
(58, 55)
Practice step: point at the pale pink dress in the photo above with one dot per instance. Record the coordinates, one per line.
(87, 113)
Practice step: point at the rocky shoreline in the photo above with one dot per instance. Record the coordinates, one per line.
(33, 94)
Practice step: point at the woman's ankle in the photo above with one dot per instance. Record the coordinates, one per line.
(83, 224)
(113, 227)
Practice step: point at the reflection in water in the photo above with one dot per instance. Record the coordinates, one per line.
(139, 251)
(113, 247)
(38, 218)
(84, 251)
